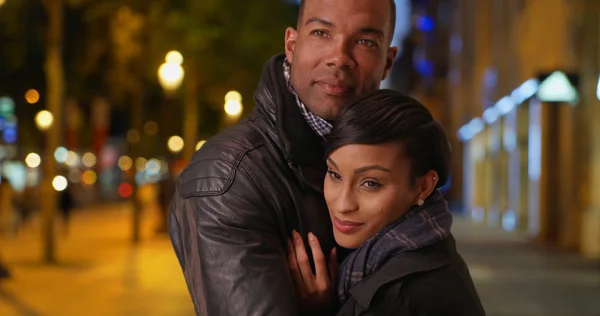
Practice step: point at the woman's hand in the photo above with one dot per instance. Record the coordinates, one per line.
(316, 292)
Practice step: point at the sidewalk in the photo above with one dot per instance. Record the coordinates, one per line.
(99, 272)
(516, 277)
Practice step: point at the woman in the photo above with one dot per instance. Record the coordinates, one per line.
(387, 157)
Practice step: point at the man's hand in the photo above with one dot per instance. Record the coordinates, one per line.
(317, 292)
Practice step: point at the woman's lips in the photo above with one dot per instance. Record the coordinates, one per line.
(345, 227)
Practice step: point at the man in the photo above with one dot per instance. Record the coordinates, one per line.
(248, 187)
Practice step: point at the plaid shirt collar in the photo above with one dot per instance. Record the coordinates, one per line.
(319, 125)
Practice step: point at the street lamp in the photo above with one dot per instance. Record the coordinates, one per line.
(170, 74)
(175, 144)
(233, 104)
(44, 119)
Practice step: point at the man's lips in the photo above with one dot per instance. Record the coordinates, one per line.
(345, 227)
(335, 87)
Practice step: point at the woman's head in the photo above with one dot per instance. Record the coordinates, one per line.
(386, 154)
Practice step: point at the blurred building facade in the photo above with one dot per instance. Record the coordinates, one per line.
(523, 100)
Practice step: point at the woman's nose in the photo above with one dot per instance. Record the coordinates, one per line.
(346, 202)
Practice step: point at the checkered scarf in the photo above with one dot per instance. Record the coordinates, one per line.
(319, 125)
(421, 227)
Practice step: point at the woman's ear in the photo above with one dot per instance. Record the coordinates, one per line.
(426, 184)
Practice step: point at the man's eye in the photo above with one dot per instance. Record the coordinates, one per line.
(367, 42)
(319, 33)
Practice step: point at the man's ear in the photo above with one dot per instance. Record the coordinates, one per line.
(391, 57)
(291, 35)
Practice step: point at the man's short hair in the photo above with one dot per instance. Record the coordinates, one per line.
(392, 17)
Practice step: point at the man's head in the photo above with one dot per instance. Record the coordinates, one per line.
(340, 50)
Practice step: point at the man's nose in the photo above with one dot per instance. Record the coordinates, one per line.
(341, 54)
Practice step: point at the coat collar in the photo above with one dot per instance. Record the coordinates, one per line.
(404, 264)
(274, 102)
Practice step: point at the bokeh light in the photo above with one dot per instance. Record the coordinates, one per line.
(33, 160)
(89, 177)
(174, 57)
(61, 154)
(125, 163)
(44, 120)
(125, 190)
(151, 128)
(88, 160)
(72, 159)
(32, 96)
(175, 144)
(200, 144)
(140, 164)
(59, 183)
(233, 107)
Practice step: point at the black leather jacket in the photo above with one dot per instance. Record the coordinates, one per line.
(238, 201)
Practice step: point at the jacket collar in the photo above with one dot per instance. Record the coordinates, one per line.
(404, 264)
(274, 102)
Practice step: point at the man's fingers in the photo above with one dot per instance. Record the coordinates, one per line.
(319, 257)
(333, 265)
(293, 265)
(302, 259)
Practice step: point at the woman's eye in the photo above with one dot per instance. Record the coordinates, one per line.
(371, 184)
(333, 175)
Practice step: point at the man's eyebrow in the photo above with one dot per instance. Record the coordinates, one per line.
(318, 20)
(371, 30)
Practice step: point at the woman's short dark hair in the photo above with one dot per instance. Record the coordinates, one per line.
(386, 116)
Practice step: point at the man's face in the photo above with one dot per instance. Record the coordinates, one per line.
(340, 50)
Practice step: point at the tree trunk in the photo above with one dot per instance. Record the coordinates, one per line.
(190, 112)
(55, 89)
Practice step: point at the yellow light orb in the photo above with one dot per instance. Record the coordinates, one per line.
(140, 164)
(59, 183)
(31, 96)
(133, 136)
(88, 160)
(175, 144)
(200, 144)
(170, 76)
(44, 120)
(151, 128)
(33, 160)
(89, 177)
(233, 96)
(233, 108)
(72, 159)
(174, 57)
(125, 163)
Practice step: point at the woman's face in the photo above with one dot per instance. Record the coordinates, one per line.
(366, 188)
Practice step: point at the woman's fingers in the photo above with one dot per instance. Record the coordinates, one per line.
(319, 258)
(302, 260)
(293, 265)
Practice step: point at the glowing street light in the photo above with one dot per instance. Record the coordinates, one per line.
(175, 144)
(44, 119)
(59, 183)
(31, 96)
(233, 104)
(200, 144)
(33, 160)
(174, 57)
(170, 74)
